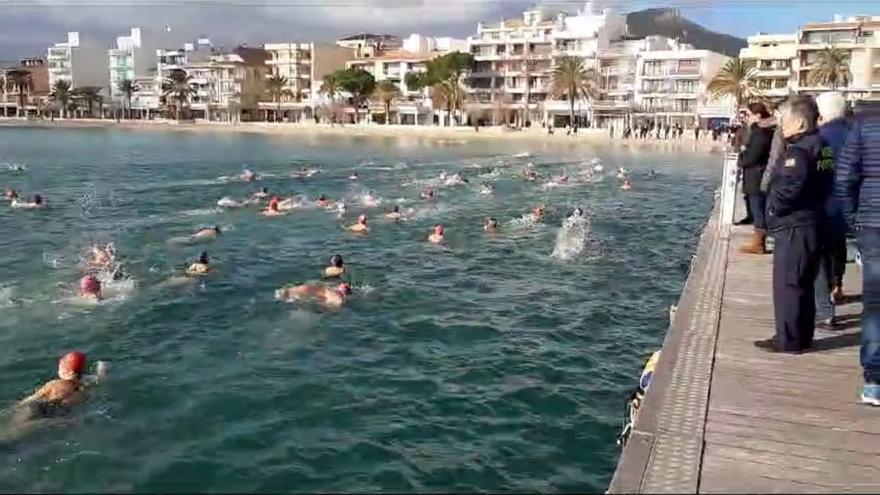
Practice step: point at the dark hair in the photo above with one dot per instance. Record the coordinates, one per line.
(805, 108)
(395, 209)
(336, 261)
(203, 258)
(759, 109)
(217, 229)
(38, 199)
(265, 190)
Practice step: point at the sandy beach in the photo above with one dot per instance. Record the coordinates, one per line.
(436, 134)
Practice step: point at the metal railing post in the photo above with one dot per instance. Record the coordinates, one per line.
(728, 194)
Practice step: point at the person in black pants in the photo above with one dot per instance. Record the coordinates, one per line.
(753, 162)
(794, 207)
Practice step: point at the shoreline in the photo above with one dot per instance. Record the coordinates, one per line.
(439, 135)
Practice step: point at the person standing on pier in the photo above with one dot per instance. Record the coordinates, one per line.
(857, 187)
(832, 231)
(753, 162)
(794, 209)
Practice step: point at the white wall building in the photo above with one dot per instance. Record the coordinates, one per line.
(860, 37)
(418, 43)
(514, 59)
(671, 86)
(80, 60)
(775, 59)
(135, 58)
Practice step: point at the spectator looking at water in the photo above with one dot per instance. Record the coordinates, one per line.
(753, 162)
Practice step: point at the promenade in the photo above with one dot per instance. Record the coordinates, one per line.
(725, 416)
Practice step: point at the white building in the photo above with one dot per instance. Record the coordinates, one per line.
(776, 65)
(514, 59)
(671, 86)
(414, 106)
(228, 86)
(305, 65)
(859, 36)
(135, 58)
(418, 43)
(80, 60)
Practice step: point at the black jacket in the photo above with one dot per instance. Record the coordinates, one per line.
(796, 187)
(754, 158)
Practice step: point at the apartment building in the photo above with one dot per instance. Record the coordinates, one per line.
(34, 96)
(369, 45)
(135, 58)
(859, 36)
(671, 86)
(228, 86)
(414, 106)
(305, 65)
(80, 60)
(511, 79)
(776, 64)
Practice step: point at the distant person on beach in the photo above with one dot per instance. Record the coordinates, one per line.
(336, 268)
(329, 296)
(857, 187)
(793, 215)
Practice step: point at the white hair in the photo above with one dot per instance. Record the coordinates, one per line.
(832, 105)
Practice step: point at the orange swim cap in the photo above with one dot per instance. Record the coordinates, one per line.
(75, 362)
(90, 284)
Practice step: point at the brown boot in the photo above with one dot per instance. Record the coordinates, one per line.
(755, 244)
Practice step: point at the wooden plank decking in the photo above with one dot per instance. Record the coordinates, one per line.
(772, 423)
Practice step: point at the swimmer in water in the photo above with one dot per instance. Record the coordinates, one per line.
(577, 212)
(261, 194)
(330, 296)
(90, 288)
(207, 233)
(626, 185)
(486, 188)
(529, 174)
(436, 235)
(102, 257)
(58, 395)
(491, 224)
(394, 214)
(336, 268)
(427, 193)
(341, 209)
(10, 194)
(537, 213)
(354, 176)
(322, 201)
(36, 202)
(272, 210)
(200, 267)
(248, 175)
(361, 225)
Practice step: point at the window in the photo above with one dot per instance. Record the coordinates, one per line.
(830, 37)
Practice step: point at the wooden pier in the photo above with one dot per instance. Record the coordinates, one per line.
(723, 416)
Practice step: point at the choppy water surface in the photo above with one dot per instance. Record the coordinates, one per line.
(496, 363)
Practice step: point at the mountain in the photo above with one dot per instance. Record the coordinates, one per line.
(670, 23)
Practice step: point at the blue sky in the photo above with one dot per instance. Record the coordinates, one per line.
(27, 27)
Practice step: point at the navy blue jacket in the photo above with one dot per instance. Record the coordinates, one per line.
(795, 197)
(857, 179)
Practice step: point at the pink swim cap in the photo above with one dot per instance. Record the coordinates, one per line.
(74, 362)
(90, 284)
(438, 230)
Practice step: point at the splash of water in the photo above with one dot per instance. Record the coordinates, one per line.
(571, 238)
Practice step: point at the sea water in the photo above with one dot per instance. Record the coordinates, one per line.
(497, 362)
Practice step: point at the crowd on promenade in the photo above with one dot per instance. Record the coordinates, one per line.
(811, 178)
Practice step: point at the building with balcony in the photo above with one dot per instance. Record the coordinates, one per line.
(774, 57)
(34, 96)
(80, 60)
(305, 65)
(859, 36)
(228, 86)
(135, 58)
(671, 86)
(511, 78)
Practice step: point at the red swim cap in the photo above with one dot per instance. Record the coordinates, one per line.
(75, 362)
(90, 284)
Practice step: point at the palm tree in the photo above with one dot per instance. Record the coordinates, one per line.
(330, 87)
(386, 92)
(276, 87)
(571, 78)
(735, 79)
(61, 95)
(89, 95)
(831, 68)
(127, 87)
(178, 88)
(443, 96)
(24, 83)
